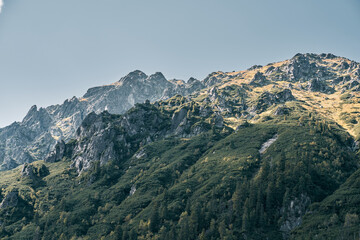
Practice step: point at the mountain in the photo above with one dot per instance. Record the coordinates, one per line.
(36, 135)
(270, 152)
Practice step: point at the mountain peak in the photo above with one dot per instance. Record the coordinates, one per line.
(191, 80)
(31, 112)
(134, 75)
(33, 108)
(157, 76)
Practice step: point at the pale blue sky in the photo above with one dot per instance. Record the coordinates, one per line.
(53, 50)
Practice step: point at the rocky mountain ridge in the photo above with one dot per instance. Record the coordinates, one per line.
(33, 138)
(323, 77)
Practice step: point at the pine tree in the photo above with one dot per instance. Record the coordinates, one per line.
(118, 232)
(132, 234)
(155, 219)
(164, 212)
(222, 229)
(212, 230)
(184, 233)
(246, 216)
(202, 235)
(270, 200)
(194, 219)
(236, 199)
(262, 220)
(125, 235)
(172, 233)
(162, 233)
(258, 207)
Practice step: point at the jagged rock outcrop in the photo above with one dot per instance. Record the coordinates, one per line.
(276, 74)
(33, 173)
(182, 88)
(254, 67)
(281, 110)
(57, 154)
(304, 67)
(267, 99)
(11, 200)
(27, 171)
(292, 213)
(214, 78)
(218, 101)
(317, 85)
(191, 86)
(259, 79)
(354, 85)
(218, 121)
(341, 80)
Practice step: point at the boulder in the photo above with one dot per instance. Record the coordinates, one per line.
(11, 200)
(259, 79)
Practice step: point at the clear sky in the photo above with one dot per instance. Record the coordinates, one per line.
(53, 50)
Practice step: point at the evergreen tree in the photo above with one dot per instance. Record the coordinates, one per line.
(194, 219)
(222, 229)
(202, 235)
(155, 219)
(132, 234)
(246, 216)
(125, 235)
(184, 233)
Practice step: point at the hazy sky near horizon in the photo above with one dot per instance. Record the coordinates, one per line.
(53, 50)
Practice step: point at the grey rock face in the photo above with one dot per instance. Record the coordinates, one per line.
(218, 101)
(101, 138)
(57, 154)
(254, 67)
(283, 96)
(258, 80)
(281, 110)
(267, 99)
(182, 88)
(293, 212)
(276, 74)
(27, 171)
(344, 65)
(327, 55)
(218, 121)
(354, 85)
(341, 80)
(316, 85)
(304, 67)
(178, 118)
(34, 137)
(213, 79)
(11, 200)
